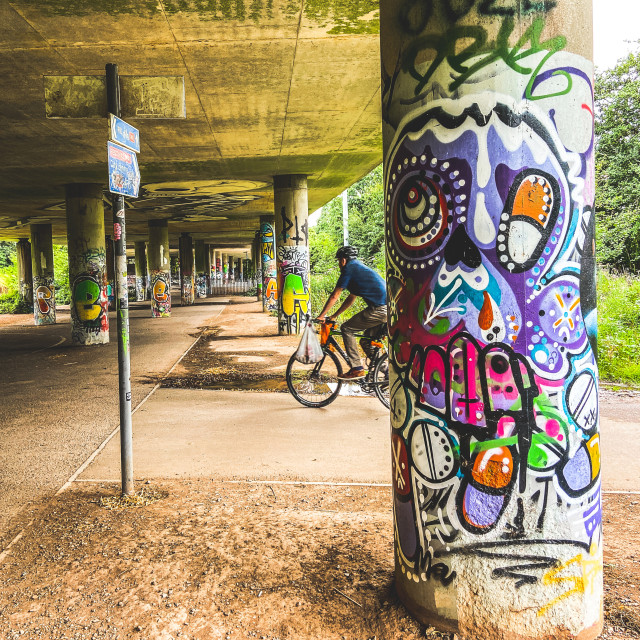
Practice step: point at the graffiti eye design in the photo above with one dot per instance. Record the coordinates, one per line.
(421, 214)
(420, 217)
(528, 219)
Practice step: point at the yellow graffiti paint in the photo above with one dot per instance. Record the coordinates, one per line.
(593, 447)
(294, 295)
(590, 570)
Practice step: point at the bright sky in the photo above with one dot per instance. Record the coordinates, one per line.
(614, 21)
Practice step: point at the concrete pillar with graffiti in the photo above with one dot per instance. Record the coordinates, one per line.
(25, 276)
(207, 268)
(44, 291)
(186, 270)
(489, 191)
(257, 264)
(87, 264)
(159, 268)
(268, 261)
(140, 258)
(292, 250)
(201, 269)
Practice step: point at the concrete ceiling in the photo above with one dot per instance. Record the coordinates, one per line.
(271, 87)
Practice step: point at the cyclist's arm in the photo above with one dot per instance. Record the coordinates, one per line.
(351, 298)
(333, 298)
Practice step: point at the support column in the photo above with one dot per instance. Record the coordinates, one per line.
(225, 267)
(141, 269)
(201, 269)
(186, 270)
(159, 268)
(268, 260)
(292, 251)
(87, 264)
(257, 265)
(489, 199)
(241, 269)
(25, 275)
(207, 268)
(44, 292)
(111, 274)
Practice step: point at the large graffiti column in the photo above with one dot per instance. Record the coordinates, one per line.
(44, 292)
(488, 148)
(87, 264)
(268, 262)
(159, 268)
(292, 251)
(187, 280)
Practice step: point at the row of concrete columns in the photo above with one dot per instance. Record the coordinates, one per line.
(281, 258)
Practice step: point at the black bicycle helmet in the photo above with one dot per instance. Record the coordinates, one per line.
(346, 252)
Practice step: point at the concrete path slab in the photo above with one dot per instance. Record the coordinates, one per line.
(186, 433)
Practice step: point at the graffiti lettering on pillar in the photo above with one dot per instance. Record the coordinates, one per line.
(201, 285)
(140, 288)
(269, 268)
(44, 308)
(288, 224)
(117, 231)
(463, 48)
(293, 271)
(494, 398)
(160, 294)
(90, 304)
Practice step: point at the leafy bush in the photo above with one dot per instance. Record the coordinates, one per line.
(12, 303)
(619, 327)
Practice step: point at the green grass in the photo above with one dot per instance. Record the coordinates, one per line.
(619, 327)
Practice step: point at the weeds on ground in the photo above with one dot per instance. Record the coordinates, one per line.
(619, 327)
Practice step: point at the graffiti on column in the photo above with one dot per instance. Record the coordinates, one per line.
(201, 285)
(289, 225)
(269, 267)
(218, 269)
(494, 400)
(293, 269)
(90, 306)
(140, 288)
(44, 308)
(187, 289)
(160, 294)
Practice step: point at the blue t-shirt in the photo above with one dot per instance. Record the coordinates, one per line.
(362, 281)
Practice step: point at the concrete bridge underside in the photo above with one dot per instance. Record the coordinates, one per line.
(273, 87)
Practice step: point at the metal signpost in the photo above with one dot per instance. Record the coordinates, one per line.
(124, 179)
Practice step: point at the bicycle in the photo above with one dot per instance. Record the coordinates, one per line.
(317, 384)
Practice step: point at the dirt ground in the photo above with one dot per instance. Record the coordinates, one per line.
(234, 561)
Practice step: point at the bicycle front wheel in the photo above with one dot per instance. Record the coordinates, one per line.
(380, 382)
(315, 385)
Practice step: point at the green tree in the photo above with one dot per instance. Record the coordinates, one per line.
(366, 232)
(617, 101)
(7, 253)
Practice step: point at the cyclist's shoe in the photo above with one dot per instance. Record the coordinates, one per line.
(353, 374)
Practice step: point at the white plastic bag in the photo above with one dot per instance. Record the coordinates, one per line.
(309, 349)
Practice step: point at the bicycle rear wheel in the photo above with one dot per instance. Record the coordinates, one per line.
(315, 385)
(380, 381)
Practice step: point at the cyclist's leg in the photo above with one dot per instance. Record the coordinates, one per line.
(367, 319)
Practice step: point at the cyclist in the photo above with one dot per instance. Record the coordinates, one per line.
(360, 281)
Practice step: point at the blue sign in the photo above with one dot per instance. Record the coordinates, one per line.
(124, 134)
(124, 175)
